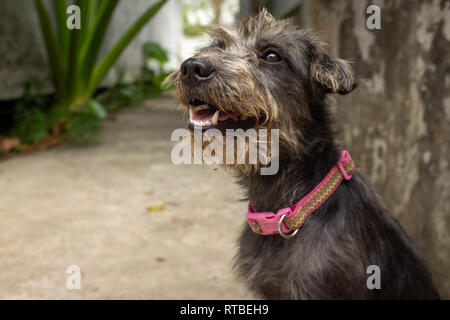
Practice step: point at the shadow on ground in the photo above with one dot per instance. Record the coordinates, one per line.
(87, 206)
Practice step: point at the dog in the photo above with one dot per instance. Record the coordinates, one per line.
(308, 236)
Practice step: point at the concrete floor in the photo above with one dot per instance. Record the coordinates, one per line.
(87, 206)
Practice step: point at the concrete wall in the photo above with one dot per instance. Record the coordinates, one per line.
(23, 55)
(397, 123)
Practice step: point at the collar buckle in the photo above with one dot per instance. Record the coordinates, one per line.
(268, 222)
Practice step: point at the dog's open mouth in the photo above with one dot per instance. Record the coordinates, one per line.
(206, 116)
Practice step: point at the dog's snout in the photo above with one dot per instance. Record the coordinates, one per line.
(195, 70)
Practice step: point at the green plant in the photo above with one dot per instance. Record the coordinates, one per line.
(146, 85)
(30, 117)
(83, 127)
(120, 94)
(73, 54)
(32, 125)
(154, 53)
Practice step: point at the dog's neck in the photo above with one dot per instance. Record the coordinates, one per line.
(294, 179)
(300, 171)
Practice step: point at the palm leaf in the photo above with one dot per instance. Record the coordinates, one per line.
(113, 54)
(60, 7)
(88, 14)
(94, 39)
(52, 48)
(73, 73)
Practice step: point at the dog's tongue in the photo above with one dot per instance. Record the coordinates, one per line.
(225, 116)
(208, 114)
(203, 115)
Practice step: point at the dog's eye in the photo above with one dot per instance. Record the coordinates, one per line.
(271, 57)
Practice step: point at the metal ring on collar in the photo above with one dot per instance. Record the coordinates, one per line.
(285, 235)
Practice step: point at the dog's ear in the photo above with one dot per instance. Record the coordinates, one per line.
(170, 80)
(332, 75)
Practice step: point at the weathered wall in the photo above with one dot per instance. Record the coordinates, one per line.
(397, 123)
(23, 55)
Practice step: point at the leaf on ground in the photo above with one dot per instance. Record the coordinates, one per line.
(155, 208)
(8, 143)
(112, 115)
(46, 143)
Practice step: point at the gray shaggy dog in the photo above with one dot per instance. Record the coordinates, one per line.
(269, 74)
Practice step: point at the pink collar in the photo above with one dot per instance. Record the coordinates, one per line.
(290, 219)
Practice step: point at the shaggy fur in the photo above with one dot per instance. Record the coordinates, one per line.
(352, 230)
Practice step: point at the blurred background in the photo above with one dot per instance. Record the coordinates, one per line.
(85, 172)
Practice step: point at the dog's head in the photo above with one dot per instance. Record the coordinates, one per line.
(264, 74)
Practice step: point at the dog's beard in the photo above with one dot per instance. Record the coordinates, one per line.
(237, 105)
(251, 151)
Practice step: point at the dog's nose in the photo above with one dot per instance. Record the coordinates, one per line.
(195, 70)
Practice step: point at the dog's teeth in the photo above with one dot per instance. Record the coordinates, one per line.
(201, 123)
(200, 107)
(191, 114)
(215, 118)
